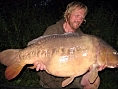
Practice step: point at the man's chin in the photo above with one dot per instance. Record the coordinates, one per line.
(76, 27)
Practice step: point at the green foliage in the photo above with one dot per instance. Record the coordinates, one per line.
(109, 79)
(28, 22)
(102, 23)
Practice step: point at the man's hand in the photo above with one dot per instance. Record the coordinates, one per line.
(39, 66)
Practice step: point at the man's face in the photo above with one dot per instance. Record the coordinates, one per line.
(76, 18)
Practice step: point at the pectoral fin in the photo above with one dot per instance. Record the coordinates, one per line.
(67, 81)
(93, 74)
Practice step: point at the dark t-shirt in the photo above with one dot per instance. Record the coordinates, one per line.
(58, 29)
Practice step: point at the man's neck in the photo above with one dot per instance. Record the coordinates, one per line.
(67, 27)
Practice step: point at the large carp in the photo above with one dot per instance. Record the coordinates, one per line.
(64, 55)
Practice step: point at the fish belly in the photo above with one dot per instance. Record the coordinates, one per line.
(68, 67)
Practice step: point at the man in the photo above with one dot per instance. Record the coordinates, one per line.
(74, 16)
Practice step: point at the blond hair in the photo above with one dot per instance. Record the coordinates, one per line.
(73, 5)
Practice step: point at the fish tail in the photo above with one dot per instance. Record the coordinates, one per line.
(13, 70)
(7, 57)
(10, 59)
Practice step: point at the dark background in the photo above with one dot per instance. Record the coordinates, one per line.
(23, 20)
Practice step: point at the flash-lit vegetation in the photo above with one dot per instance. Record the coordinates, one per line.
(20, 22)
